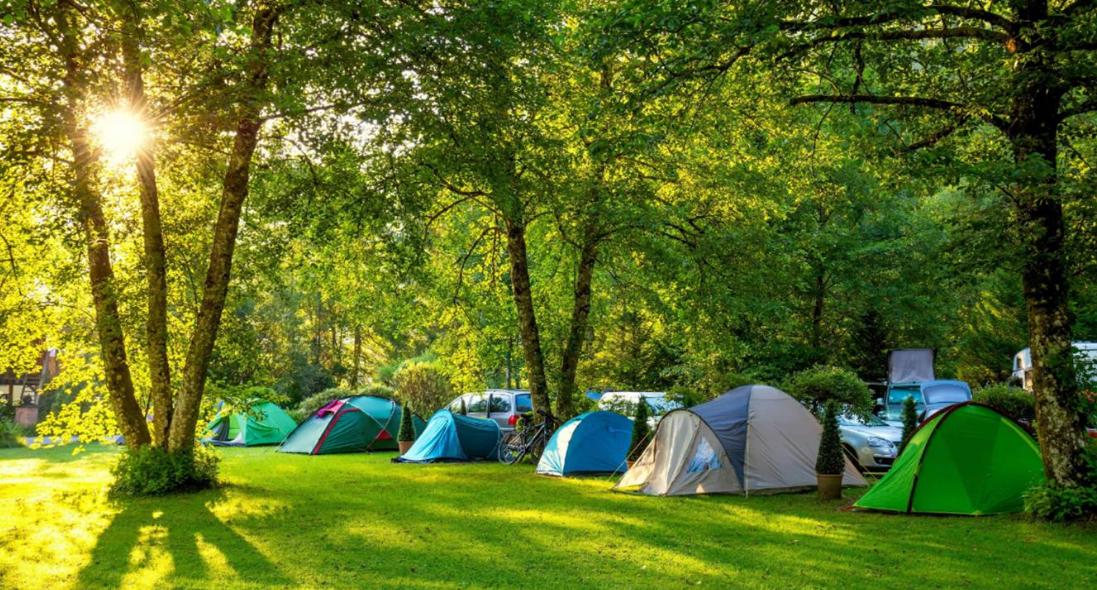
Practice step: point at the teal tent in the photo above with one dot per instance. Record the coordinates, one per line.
(261, 423)
(453, 437)
(349, 425)
(594, 442)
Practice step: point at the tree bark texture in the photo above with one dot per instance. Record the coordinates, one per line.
(108, 324)
(156, 322)
(234, 192)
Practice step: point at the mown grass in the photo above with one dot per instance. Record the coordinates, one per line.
(356, 521)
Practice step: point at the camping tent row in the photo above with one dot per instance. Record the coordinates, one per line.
(349, 425)
(751, 439)
(966, 459)
(261, 423)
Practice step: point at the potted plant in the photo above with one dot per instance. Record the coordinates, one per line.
(406, 436)
(640, 432)
(831, 462)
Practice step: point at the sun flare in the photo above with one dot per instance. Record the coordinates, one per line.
(120, 134)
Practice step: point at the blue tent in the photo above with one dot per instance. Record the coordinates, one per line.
(453, 437)
(594, 442)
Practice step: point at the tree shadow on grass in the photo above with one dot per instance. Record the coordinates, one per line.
(172, 541)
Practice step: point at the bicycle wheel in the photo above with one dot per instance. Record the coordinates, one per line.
(511, 451)
(537, 447)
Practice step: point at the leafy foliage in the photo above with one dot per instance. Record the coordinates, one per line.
(423, 386)
(152, 471)
(1062, 503)
(1013, 402)
(831, 459)
(817, 386)
(10, 434)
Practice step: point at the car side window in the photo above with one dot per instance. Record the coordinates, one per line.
(523, 403)
(478, 404)
(499, 404)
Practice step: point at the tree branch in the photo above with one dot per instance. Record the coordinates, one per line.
(884, 17)
(1088, 105)
(915, 101)
(913, 35)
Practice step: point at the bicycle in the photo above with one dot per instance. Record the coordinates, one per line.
(527, 441)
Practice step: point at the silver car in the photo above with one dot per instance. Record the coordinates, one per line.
(502, 405)
(872, 444)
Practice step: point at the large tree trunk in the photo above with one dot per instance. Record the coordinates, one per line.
(580, 312)
(527, 319)
(108, 324)
(1060, 423)
(234, 192)
(156, 323)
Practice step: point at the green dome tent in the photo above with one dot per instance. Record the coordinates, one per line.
(349, 425)
(967, 459)
(263, 423)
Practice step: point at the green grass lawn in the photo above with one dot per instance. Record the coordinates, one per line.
(358, 521)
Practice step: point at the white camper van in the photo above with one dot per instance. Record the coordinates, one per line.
(1022, 361)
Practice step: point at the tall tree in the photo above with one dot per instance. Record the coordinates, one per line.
(1021, 68)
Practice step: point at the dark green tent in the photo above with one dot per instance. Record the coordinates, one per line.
(262, 423)
(967, 459)
(353, 424)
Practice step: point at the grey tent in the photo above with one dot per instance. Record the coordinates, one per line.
(753, 438)
(911, 365)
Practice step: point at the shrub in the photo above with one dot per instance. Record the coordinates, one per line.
(10, 433)
(1061, 504)
(407, 429)
(424, 386)
(1014, 402)
(640, 431)
(910, 421)
(315, 402)
(377, 390)
(816, 386)
(831, 460)
(152, 471)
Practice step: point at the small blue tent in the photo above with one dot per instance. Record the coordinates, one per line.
(453, 437)
(594, 442)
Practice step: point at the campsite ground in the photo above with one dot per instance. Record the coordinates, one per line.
(360, 521)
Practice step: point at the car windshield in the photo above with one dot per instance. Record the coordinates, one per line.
(851, 420)
(899, 395)
(946, 394)
(523, 403)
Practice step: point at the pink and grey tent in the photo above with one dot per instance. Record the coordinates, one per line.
(349, 425)
(752, 439)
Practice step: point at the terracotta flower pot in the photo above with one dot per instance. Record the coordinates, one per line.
(404, 445)
(830, 486)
